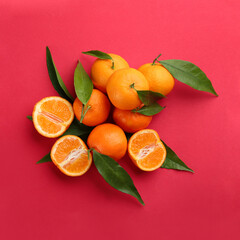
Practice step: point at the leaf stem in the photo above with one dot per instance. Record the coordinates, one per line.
(156, 59)
(81, 119)
(88, 152)
(84, 111)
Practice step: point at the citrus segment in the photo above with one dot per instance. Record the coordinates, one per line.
(70, 155)
(52, 116)
(146, 150)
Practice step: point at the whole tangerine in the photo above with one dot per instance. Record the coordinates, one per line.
(159, 78)
(108, 139)
(122, 86)
(102, 69)
(130, 121)
(98, 108)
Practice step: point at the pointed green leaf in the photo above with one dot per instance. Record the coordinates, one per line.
(56, 79)
(82, 83)
(172, 161)
(189, 74)
(115, 175)
(149, 97)
(149, 110)
(77, 128)
(29, 117)
(46, 158)
(98, 54)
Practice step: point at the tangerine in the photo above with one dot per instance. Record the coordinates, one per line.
(52, 116)
(70, 155)
(130, 121)
(108, 139)
(102, 69)
(122, 86)
(98, 108)
(159, 78)
(146, 150)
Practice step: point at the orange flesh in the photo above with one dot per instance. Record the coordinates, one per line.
(142, 141)
(64, 148)
(71, 155)
(52, 116)
(57, 110)
(146, 150)
(150, 155)
(48, 124)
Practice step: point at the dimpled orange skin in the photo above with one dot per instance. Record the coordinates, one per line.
(159, 78)
(99, 111)
(108, 139)
(130, 121)
(119, 89)
(102, 69)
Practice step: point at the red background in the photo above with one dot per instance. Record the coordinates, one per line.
(38, 202)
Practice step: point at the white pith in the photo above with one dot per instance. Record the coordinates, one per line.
(51, 117)
(73, 156)
(144, 152)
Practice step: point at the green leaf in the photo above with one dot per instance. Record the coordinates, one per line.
(78, 129)
(46, 158)
(98, 54)
(115, 175)
(189, 74)
(150, 110)
(29, 117)
(56, 79)
(149, 97)
(172, 161)
(82, 83)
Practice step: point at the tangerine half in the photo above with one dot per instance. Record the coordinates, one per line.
(52, 116)
(146, 150)
(70, 155)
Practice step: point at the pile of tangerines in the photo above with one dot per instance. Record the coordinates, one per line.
(114, 97)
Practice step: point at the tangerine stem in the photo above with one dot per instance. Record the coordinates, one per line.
(156, 59)
(132, 86)
(112, 64)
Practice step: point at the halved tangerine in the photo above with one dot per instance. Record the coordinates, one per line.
(70, 155)
(52, 116)
(146, 150)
